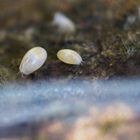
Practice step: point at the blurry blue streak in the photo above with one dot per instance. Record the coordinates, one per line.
(28, 103)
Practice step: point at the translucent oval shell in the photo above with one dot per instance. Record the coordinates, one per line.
(63, 23)
(33, 60)
(69, 57)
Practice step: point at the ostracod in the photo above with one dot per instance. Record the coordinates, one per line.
(63, 23)
(33, 60)
(69, 56)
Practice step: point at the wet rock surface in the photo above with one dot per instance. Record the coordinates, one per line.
(107, 36)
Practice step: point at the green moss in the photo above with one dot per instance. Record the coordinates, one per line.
(106, 47)
(6, 75)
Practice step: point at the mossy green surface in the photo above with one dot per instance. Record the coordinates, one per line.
(107, 48)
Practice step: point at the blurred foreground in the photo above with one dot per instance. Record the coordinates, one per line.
(71, 110)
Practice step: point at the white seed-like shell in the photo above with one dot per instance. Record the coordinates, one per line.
(69, 56)
(63, 23)
(33, 60)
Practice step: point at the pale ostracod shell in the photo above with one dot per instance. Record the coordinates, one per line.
(69, 56)
(33, 60)
(63, 23)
